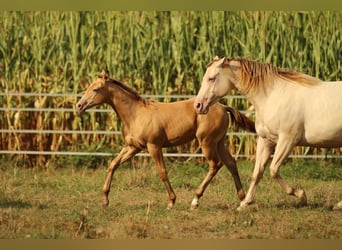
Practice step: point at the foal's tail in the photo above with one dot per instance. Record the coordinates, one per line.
(241, 120)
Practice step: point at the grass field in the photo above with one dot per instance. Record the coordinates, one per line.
(66, 203)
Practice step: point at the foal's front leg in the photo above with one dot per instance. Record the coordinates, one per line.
(157, 156)
(125, 154)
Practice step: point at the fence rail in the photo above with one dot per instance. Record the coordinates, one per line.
(15, 131)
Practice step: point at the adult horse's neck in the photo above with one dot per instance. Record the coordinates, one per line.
(254, 80)
(124, 101)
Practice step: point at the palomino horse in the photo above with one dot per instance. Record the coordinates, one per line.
(151, 125)
(290, 108)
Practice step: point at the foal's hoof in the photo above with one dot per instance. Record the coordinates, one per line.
(170, 205)
(194, 204)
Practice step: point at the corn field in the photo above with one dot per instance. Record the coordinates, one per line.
(156, 53)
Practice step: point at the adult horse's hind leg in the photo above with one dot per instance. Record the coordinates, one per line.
(215, 164)
(282, 151)
(230, 163)
(157, 155)
(125, 154)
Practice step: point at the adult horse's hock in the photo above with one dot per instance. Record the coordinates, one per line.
(150, 125)
(291, 109)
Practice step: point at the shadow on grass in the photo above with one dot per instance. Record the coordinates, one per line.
(315, 205)
(14, 204)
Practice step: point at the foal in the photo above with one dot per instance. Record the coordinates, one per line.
(151, 125)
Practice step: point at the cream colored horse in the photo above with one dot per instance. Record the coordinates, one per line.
(290, 108)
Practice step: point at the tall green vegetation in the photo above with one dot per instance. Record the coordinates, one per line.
(154, 52)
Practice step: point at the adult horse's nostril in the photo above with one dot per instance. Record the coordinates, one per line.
(198, 105)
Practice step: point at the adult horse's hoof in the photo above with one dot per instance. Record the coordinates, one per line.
(338, 206)
(300, 193)
(241, 208)
(243, 205)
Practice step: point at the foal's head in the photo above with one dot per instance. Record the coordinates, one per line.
(95, 94)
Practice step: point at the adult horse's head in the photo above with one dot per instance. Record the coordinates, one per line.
(214, 85)
(95, 94)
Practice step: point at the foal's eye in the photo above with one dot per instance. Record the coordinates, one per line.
(212, 79)
(96, 90)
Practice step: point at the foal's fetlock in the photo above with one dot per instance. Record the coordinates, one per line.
(241, 195)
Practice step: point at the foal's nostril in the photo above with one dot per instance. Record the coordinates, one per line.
(79, 106)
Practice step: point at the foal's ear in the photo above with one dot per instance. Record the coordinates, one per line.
(104, 74)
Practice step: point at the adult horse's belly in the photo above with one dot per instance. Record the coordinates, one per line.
(324, 138)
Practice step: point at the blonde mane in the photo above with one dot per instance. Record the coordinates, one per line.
(253, 74)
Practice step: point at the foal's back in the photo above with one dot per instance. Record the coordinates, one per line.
(171, 124)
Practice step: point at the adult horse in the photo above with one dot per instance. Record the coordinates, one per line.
(151, 125)
(291, 109)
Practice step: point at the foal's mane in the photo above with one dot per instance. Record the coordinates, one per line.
(254, 74)
(135, 95)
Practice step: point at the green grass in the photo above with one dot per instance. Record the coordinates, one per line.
(66, 203)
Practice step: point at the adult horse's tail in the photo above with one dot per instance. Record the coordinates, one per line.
(241, 120)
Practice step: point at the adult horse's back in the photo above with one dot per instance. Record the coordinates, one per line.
(291, 109)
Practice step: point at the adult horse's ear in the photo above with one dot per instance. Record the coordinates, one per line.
(222, 61)
(216, 58)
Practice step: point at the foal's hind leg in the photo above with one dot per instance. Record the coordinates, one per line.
(230, 162)
(214, 165)
(125, 154)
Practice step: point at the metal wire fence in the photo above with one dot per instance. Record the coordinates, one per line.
(12, 131)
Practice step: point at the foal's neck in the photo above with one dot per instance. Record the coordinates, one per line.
(125, 103)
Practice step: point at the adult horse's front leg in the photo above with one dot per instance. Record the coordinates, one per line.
(263, 154)
(157, 156)
(125, 154)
